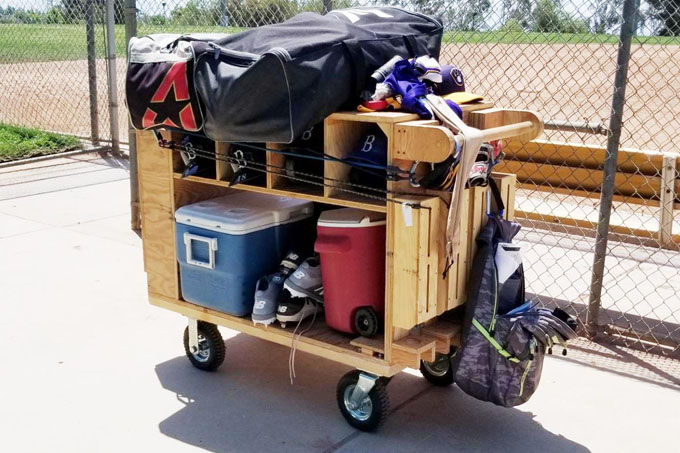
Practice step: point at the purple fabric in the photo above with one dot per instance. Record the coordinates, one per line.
(403, 80)
(455, 107)
(452, 81)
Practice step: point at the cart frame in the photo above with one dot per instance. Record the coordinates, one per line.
(416, 292)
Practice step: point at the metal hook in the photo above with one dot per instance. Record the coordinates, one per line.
(412, 174)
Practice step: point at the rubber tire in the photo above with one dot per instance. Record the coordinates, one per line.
(215, 346)
(443, 380)
(366, 322)
(379, 401)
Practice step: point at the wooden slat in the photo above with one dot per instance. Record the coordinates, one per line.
(586, 224)
(318, 345)
(457, 276)
(443, 332)
(274, 160)
(405, 265)
(581, 178)
(375, 344)
(373, 117)
(421, 346)
(188, 191)
(158, 227)
(584, 156)
(340, 139)
(304, 193)
(223, 170)
(423, 141)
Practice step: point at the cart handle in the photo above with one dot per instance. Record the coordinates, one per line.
(189, 238)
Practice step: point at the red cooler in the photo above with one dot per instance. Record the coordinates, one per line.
(351, 243)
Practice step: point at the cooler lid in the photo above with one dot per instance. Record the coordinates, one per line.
(244, 212)
(350, 218)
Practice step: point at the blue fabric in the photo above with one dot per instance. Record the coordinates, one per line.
(403, 80)
(455, 107)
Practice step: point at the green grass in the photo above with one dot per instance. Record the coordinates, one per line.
(502, 37)
(20, 43)
(31, 43)
(21, 143)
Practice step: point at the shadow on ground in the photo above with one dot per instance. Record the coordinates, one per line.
(250, 405)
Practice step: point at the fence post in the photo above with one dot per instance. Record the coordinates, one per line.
(92, 72)
(130, 32)
(327, 6)
(113, 81)
(630, 9)
(667, 198)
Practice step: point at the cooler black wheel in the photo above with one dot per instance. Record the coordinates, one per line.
(439, 372)
(371, 411)
(211, 349)
(366, 322)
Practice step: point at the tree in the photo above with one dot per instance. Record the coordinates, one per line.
(549, 17)
(607, 16)
(668, 13)
(73, 11)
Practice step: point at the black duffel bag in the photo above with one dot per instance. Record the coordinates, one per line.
(272, 83)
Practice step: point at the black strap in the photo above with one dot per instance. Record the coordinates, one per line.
(358, 63)
(412, 46)
(496, 195)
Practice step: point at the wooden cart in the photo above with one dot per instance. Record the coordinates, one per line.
(417, 294)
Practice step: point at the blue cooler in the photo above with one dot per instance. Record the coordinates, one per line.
(225, 244)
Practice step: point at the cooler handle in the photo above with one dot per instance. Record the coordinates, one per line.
(212, 247)
(332, 244)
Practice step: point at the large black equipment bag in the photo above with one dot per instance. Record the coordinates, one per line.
(272, 83)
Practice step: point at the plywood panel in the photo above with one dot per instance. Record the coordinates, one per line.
(188, 191)
(223, 170)
(340, 139)
(156, 202)
(457, 275)
(405, 264)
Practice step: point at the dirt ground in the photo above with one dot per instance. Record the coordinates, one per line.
(560, 81)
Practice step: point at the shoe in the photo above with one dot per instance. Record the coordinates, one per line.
(289, 264)
(306, 280)
(267, 292)
(295, 309)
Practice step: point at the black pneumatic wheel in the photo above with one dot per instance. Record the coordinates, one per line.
(439, 372)
(211, 349)
(366, 322)
(372, 411)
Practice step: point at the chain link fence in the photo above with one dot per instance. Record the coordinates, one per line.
(559, 58)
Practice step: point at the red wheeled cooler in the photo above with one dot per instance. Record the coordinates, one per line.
(351, 243)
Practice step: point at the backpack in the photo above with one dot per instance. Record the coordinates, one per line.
(504, 338)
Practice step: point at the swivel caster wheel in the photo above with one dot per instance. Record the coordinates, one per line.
(439, 372)
(362, 399)
(209, 354)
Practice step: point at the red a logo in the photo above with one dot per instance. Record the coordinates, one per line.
(176, 80)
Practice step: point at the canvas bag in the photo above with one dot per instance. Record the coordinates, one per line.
(159, 83)
(272, 83)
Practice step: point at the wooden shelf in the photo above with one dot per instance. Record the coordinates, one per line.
(320, 340)
(398, 117)
(305, 192)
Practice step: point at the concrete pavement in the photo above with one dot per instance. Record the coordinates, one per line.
(88, 365)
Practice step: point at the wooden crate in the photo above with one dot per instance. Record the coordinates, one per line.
(416, 290)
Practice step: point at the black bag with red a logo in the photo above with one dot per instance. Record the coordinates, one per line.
(159, 84)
